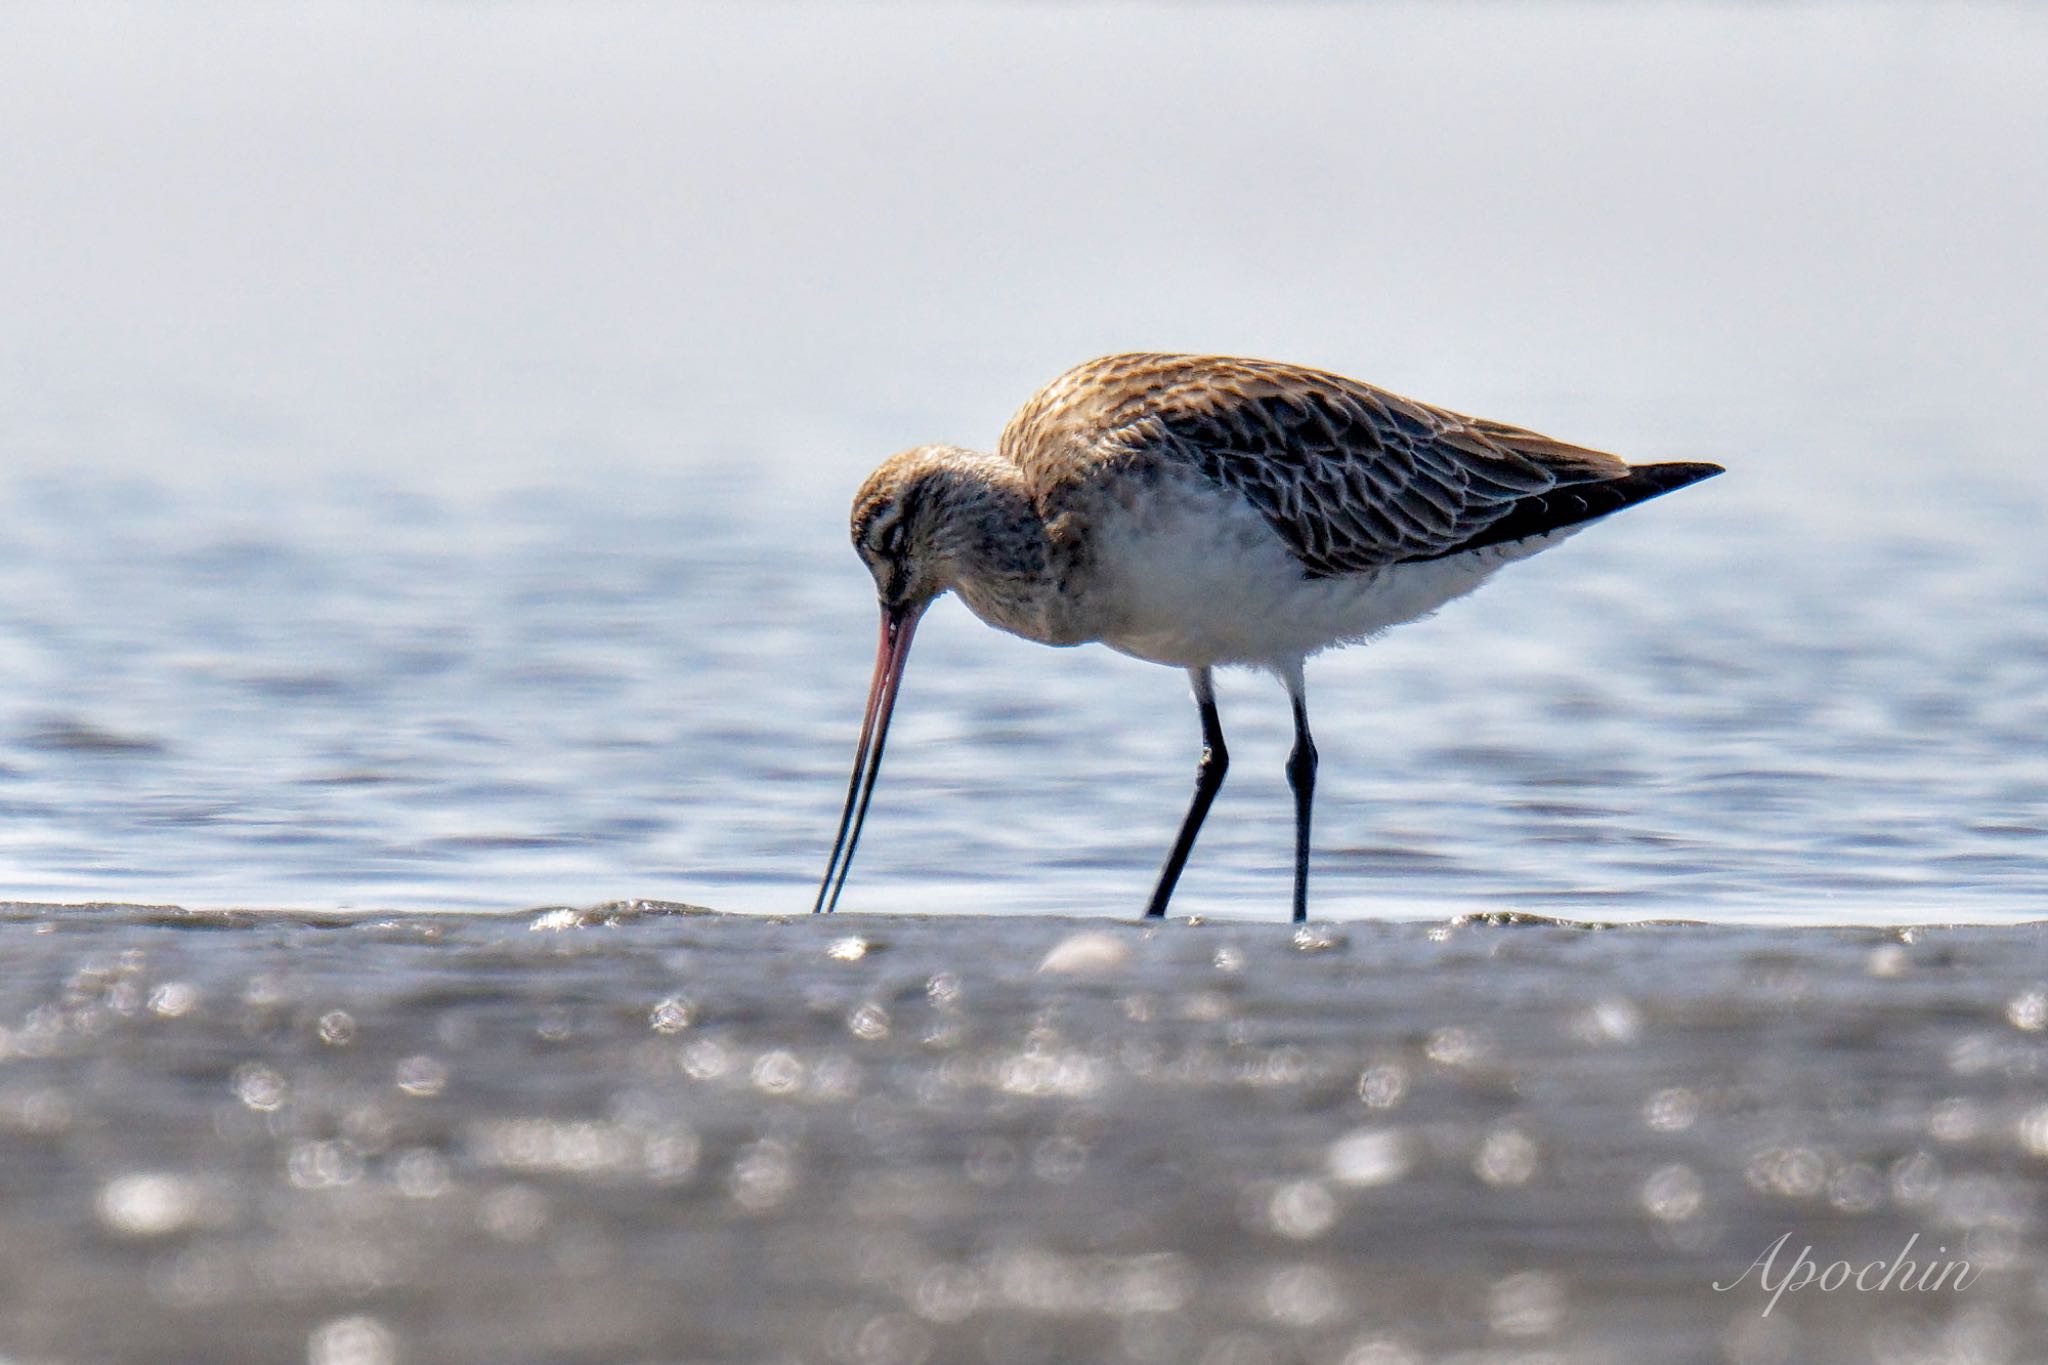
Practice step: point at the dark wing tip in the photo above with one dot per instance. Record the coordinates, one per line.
(1581, 502)
(1668, 477)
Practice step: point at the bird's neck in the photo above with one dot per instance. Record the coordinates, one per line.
(998, 555)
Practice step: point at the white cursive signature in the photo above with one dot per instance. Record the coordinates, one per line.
(1898, 1273)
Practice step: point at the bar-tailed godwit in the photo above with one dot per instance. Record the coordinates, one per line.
(1201, 511)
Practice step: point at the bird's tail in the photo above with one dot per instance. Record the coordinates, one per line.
(1541, 513)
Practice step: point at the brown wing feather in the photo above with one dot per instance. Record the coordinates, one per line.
(1351, 477)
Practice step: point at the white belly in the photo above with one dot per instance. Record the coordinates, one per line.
(1193, 576)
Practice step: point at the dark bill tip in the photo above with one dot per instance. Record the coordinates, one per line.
(899, 624)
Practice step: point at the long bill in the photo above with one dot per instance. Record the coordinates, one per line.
(898, 625)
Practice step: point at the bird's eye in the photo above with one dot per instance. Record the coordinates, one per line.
(890, 542)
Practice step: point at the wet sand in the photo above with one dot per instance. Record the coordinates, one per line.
(645, 1133)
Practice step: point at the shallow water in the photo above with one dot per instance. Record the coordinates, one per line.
(368, 697)
(633, 1133)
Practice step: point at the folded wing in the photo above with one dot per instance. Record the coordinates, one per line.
(1349, 476)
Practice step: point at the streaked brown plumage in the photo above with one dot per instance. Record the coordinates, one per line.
(1350, 476)
(1201, 510)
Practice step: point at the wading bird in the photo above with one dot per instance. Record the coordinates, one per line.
(1200, 511)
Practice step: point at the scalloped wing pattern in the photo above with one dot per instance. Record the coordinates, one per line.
(1350, 477)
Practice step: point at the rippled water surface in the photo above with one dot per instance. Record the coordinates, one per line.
(364, 696)
(630, 1134)
(438, 500)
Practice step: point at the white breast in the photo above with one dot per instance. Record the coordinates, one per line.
(1192, 575)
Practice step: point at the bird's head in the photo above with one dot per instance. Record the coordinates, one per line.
(927, 521)
(905, 529)
(905, 526)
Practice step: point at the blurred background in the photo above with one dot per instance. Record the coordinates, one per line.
(426, 432)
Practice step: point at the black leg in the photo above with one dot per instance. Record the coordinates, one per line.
(1301, 775)
(1208, 780)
